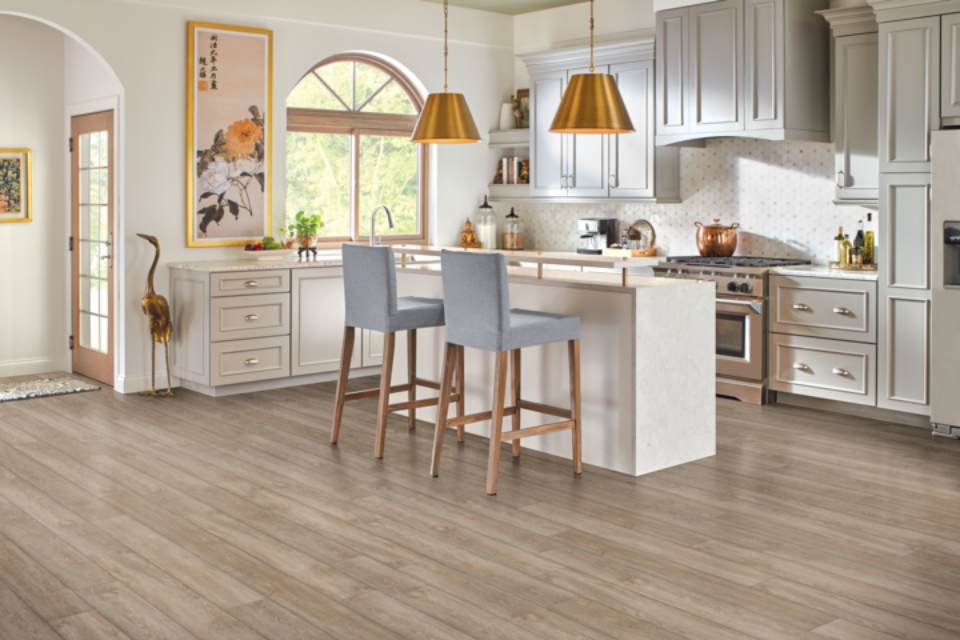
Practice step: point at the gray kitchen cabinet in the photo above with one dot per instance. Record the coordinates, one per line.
(909, 93)
(904, 314)
(950, 69)
(548, 175)
(743, 68)
(673, 68)
(716, 65)
(855, 119)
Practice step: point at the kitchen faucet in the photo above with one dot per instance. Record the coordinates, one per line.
(373, 222)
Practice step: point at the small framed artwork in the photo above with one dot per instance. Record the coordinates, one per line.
(229, 116)
(523, 99)
(16, 189)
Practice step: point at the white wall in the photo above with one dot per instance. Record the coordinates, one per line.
(87, 80)
(33, 258)
(144, 42)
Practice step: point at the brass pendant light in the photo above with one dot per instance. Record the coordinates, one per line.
(445, 118)
(592, 103)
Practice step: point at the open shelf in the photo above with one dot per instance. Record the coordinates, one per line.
(510, 138)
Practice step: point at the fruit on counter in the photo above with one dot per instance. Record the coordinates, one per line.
(267, 244)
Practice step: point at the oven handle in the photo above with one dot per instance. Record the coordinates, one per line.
(754, 305)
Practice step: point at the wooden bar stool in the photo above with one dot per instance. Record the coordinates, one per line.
(370, 291)
(478, 315)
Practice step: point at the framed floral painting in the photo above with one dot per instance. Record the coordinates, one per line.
(229, 114)
(16, 190)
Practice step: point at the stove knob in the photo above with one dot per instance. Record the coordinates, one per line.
(732, 287)
(745, 287)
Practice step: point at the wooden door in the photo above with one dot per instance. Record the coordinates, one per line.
(632, 154)
(672, 71)
(764, 53)
(91, 243)
(547, 157)
(716, 62)
(855, 118)
(909, 93)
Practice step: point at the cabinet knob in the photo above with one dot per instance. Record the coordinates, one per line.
(800, 366)
(251, 284)
(801, 307)
(251, 361)
(842, 311)
(843, 373)
(841, 179)
(614, 180)
(251, 317)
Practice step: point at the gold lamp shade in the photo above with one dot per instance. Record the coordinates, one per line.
(445, 119)
(592, 105)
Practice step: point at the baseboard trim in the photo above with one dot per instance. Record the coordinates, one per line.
(845, 408)
(139, 384)
(270, 385)
(28, 366)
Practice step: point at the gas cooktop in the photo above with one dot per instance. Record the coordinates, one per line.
(750, 262)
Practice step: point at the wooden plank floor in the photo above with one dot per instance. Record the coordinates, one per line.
(127, 517)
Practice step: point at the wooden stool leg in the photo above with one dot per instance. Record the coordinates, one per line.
(496, 426)
(574, 349)
(412, 375)
(450, 352)
(389, 344)
(515, 360)
(461, 391)
(346, 355)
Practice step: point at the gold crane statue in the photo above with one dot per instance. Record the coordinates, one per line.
(156, 308)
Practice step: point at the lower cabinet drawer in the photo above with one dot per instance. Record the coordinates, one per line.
(830, 369)
(238, 317)
(250, 360)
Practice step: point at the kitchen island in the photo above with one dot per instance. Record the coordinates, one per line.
(647, 356)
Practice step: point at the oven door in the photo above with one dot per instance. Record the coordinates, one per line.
(740, 338)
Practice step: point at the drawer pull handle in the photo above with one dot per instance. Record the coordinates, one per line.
(843, 373)
(800, 366)
(842, 311)
(801, 307)
(251, 361)
(251, 284)
(251, 317)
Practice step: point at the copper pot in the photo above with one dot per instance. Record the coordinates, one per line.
(716, 240)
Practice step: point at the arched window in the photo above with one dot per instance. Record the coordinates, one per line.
(349, 122)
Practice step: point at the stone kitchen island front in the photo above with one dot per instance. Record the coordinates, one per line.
(647, 355)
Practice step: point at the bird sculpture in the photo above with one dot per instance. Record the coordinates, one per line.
(156, 308)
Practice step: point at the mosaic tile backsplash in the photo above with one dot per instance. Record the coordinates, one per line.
(781, 193)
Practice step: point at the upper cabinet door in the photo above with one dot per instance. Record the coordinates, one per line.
(950, 84)
(673, 45)
(548, 172)
(855, 118)
(587, 167)
(716, 61)
(632, 154)
(909, 93)
(763, 57)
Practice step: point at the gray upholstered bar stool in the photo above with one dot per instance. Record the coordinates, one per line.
(370, 290)
(478, 315)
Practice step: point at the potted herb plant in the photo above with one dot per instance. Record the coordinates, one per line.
(305, 228)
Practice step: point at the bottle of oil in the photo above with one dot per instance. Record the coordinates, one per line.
(858, 241)
(838, 243)
(869, 243)
(846, 252)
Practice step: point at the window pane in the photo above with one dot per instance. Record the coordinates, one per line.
(311, 94)
(393, 99)
(318, 179)
(339, 75)
(369, 79)
(388, 175)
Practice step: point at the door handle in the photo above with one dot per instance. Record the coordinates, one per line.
(841, 179)
(842, 311)
(843, 373)
(109, 245)
(251, 361)
(800, 366)
(251, 284)
(801, 307)
(251, 317)
(614, 181)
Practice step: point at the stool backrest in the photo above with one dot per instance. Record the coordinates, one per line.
(476, 297)
(369, 285)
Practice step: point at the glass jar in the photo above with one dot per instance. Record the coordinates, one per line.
(512, 235)
(487, 225)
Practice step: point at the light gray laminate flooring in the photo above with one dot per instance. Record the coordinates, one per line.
(232, 518)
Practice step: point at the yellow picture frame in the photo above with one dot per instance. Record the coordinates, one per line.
(198, 209)
(25, 156)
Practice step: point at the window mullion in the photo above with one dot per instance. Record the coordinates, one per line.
(355, 183)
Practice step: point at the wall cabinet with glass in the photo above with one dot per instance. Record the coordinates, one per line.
(592, 167)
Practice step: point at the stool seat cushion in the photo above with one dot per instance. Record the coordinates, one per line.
(532, 328)
(416, 313)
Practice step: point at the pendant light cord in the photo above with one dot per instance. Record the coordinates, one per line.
(593, 67)
(446, 48)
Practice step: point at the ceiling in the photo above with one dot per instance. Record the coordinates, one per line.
(510, 7)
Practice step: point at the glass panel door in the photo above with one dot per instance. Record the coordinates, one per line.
(92, 245)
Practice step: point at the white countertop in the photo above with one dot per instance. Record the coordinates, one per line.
(824, 271)
(326, 259)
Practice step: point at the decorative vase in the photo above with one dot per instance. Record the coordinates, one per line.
(507, 121)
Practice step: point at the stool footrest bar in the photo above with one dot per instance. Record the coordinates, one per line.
(546, 409)
(508, 436)
(429, 384)
(477, 417)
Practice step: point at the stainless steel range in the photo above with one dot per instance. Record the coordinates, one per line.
(742, 284)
